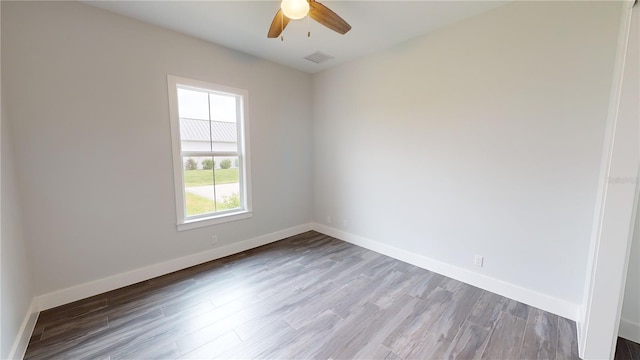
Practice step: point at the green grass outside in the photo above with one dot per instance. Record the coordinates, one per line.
(205, 177)
(197, 205)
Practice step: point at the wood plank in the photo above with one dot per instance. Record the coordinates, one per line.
(442, 331)
(490, 306)
(346, 338)
(622, 351)
(158, 351)
(541, 336)
(425, 282)
(469, 343)
(567, 340)
(413, 329)
(487, 310)
(634, 349)
(79, 327)
(307, 340)
(215, 347)
(506, 338)
(386, 320)
(384, 353)
(349, 298)
(392, 286)
(262, 342)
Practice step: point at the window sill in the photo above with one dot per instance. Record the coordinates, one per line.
(213, 220)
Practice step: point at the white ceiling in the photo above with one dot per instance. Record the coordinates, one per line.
(243, 25)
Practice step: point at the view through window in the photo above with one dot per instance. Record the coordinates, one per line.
(210, 124)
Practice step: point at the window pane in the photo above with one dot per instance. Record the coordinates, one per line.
(193, 104)
(223, 122)
(207, 121)
(195, 135)
(224, 136)
(227, 184)
(223, 108)
(198, 183)
(195, 127)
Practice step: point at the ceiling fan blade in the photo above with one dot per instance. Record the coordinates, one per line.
(328, 18)
(278, 24)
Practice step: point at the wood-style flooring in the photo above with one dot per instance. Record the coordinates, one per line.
(308, 296)
(627, 350)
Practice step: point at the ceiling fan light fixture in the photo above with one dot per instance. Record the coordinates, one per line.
(295, 9)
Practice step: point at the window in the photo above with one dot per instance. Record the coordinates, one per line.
(210, 156)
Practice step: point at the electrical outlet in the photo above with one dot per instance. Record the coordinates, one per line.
(478, 260)
(345, 223)
(214, 239)
(328, 219)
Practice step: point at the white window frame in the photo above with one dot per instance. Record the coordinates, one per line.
(185, 222)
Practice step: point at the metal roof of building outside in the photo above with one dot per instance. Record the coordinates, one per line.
(198, 130)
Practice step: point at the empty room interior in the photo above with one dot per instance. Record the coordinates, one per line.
(306, 179)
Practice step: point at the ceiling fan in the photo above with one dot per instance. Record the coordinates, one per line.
(298, 9)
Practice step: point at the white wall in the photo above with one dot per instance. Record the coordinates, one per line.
(630, 319)
(482, 138)
(16, 287)
(87, 92)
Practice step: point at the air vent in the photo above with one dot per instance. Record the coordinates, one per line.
(318, 57)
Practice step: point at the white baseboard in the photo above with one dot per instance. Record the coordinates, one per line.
(526, 296)
(82, 291)
(629, 330)
(24, 334)
(579, 336)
